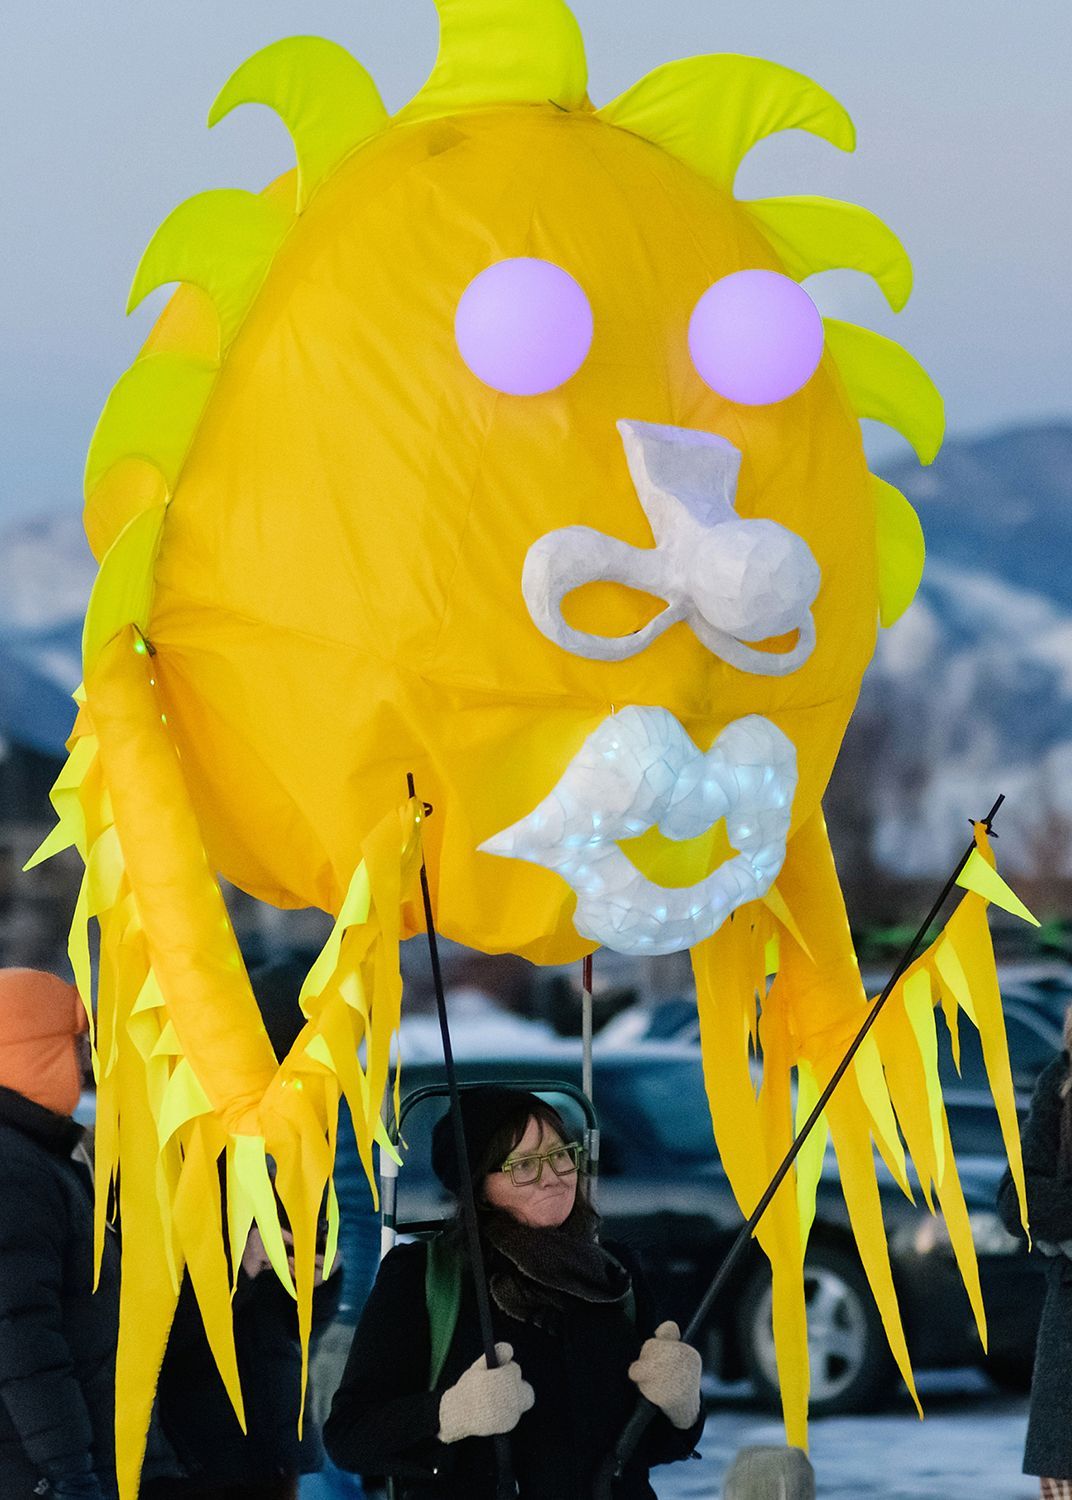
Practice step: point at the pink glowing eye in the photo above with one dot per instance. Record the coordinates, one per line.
(523, 326)
(756, 337)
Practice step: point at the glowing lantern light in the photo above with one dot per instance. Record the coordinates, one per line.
(756, 337)
(523, 326)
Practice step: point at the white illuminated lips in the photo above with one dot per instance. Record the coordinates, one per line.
(640, 770)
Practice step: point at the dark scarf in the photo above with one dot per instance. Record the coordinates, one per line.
(57, 1133)
(536, 1271)
(1064, 1147)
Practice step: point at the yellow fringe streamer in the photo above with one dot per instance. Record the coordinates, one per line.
(200, 1133)
(806, 1022)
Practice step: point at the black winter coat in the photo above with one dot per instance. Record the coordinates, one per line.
(195, 1410)
(1049, 1202)
(57, 1337)
(384, 1419)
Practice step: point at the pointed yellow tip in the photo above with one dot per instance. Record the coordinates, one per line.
(220, 107)
(886, 384)
(323, 95)
(58, 839)
(901, 551)
(984, 880)
(709, 111)
(811, 234)
(503, 52)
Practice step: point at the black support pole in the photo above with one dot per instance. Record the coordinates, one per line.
(505, 1483)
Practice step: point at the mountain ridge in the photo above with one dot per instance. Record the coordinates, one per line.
(1000, 502)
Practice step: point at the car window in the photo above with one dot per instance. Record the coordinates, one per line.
(1032, 1044)
(973, 1127)
(1031, 1049)
(666, 1104)
(972, 1073)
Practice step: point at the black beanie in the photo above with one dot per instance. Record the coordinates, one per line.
(483, 1111)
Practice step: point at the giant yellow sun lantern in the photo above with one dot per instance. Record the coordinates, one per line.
(497, 443)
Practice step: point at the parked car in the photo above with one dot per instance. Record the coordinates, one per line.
(1033, 1027)
(1045, 986)
(1034, 1017)
(1034, 1036)
(662, 1190)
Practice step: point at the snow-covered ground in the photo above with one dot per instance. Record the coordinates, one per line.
(969, 1448)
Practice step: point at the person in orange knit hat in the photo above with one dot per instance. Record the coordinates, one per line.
(57, 1337)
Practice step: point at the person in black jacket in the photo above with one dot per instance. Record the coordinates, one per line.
(571, 1315)
(220, 1461)
(57, 1337)
(1047, 1152)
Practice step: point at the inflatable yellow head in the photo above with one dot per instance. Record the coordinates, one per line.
(375, 561)
(498, 444)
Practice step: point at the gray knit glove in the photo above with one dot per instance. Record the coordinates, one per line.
(485, 1402)
(668, 1374)
(768, 1473)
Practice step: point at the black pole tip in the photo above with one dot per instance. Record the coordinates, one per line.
(987, 822)
(426, 807)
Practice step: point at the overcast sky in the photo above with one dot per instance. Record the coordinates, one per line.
(964, 118)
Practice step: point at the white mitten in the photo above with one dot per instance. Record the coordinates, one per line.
(667, 1372)
(484, 1402)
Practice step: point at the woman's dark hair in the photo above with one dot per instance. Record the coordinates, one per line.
(582, 1221)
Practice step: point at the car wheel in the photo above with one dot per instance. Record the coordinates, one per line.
(851, 1368)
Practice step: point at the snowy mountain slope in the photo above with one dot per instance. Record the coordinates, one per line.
(968, 696)
(46, 571)
(1000, 504)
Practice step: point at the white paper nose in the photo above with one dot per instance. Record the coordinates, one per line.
(753, 579)
(683, 466)
(732, 580)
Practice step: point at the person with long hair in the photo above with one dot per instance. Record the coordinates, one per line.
(1047, 1152)
(573, 1321)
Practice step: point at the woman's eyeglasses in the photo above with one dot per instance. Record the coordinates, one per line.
(526, 1171)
